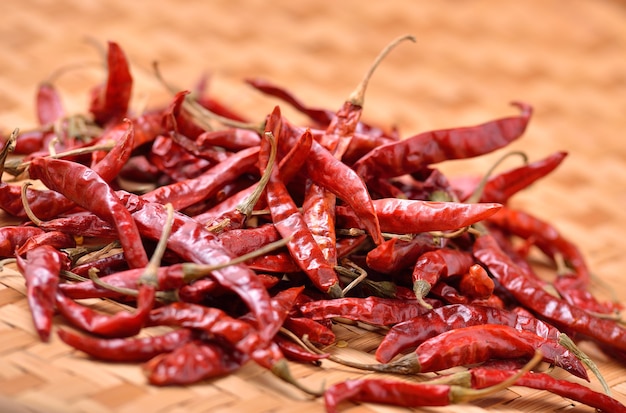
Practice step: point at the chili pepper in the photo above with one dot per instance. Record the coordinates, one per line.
(179, 122)
(120, 324)
(13, 237)
(316, 332)
(476, 283)
(433, 266)
(243, 241)
(410, 394)
(192, 362)
(197, 291)
(572, 287)
(288, 166)
(321, 116)
(41, 270)
(371, 310)
(319, 215)
(483, 377)
(232, 139)
(410, 154)
(109, 102)
(290, 223)
(396, 254)
(125, 350)
(295, 352)
(529, 293)
(176, 162)
(502, 187)
(80, 224)
(49, 106)
(475, 344)
(73, 181)
(413, 332)
(189, 191)
(45, 204)
(193, 242)
(54, 239)
(406, 216)
(109, 165)
(168, 278)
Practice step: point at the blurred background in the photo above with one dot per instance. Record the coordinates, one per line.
(471, 59)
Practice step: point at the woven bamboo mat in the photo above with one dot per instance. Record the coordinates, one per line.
(471, 59)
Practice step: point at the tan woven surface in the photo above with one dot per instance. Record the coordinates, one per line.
(567, 59)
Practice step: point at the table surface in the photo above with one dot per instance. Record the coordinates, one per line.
(470, 60)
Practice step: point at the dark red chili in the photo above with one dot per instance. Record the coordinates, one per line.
(475, 344)
(412, 333)
(484, 377)
(406, 216)
(411, 154)
(73, 181)
(109, 102)
(126, 350)
(41, 269)
(529, 293)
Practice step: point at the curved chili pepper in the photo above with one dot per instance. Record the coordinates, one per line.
(73, 181)
(529, 293)
(475, 344)
(120, 324)
(109, 102)
(435, 265)
(189, 191)
(502, 187)
(109, 165)
(413, 332)
(125, 350)
(410, 154)
(233, 139)
(572, 287)
(41, 269)
(168, 278)
(476, 283)
(396, 254)
(290, 223)
(12, 237)
(55, 239)
(371, 310)
(295, 352)
(316, 332)
(192, 362)
(483, 377)
(407, 216)
(49, 106)
(193, 242)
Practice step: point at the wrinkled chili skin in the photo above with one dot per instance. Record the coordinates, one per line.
(530, 294)
(192, 362)
(41, 269)
(409, 155)
(118, 325)
(483, 377)
(126, 350)
(193, 242)
(371, 310)
(479, 343)
(413, 332)
(386, 391)
(74, 181)
(406, 216)
(12, 237)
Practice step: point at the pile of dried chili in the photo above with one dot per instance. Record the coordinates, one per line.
(263, 236)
